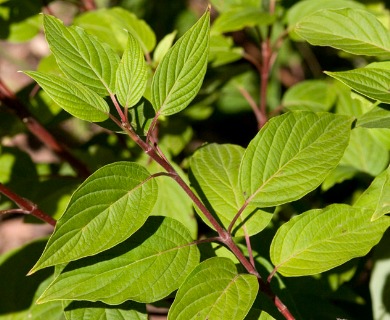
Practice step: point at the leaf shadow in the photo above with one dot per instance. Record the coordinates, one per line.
(126, 306)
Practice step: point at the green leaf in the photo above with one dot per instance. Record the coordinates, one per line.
(377, 117)
(371, 82)
(376, 198)
(145, 268)
(365, 153)
(225, 5)
(128, 310)
(321, 239)
(118, 196)
(338, 175)
(214, 176)
(222, 50)
(132, 73)
(291, 155)
(214, 290)
(238, 18)
(141, 116)
(163, 46)
(179, 75)
(73, 97)
(351, 30)
(310, 95)
(81, 56)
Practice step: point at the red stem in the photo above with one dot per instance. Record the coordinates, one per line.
(27, 206)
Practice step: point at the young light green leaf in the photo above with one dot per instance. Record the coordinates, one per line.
(73, 97)
(118, 196)
(214, 290)
(163, 46)
(321, 239)
(377, 117)
(240, 17)
(377, 196)
(81, 56)
(131, 76)
(351, 30)
(145, 268)
(128, 310)
(365, 153)
(310, 95)
(371, 82)
(291, 155)
(179, 75)
(214, 176)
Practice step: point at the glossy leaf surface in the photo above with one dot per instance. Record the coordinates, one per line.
(119, 196)
(291, 155)
(351, 30)
(321, 239)
(82, 57)
(79, 101)
(145, 268)
(180, 73)
(214, 290)
(214, 176)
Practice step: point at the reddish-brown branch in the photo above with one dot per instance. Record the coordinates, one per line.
(89, 5)
(26, 206)
(14, 105)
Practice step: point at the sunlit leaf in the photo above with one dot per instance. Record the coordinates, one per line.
(131, 76)
(377, 117)
(179, 75)
(214, 290)
(73, 97)
(81, 56)
(291, 155)
(145, 268)
(119, 196)
(351, 30)
(163, 46)
(321, 239)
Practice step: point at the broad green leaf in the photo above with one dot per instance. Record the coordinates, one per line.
(377, 196)
(321, 239)
(377, 117)
(141, 116)
(128, 310)
(291, 155)
(163, 46)
(365, 153)
(338, 175)
(145, 268)
(371, 82)
(240, 17)
(351, 30)
(114, 25)
(81, 56)
(214, 176)
(132, 73)
(310, 95)
(118, 196)
(179, 75)
(307, 7)
(222, 50)
(225, 5)
(79, 101)
(214, 290)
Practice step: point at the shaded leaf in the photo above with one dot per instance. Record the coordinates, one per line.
(351, 30)
(376, 197)
(118, 196)
(131, 76)
(81, 56)
(145, 268)
(97, 310)
(321, 239)
(377, 117)
(179, 75)
(291, 155)
(214, 176)
(214, 290)
(371, 82)
(222, 50)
